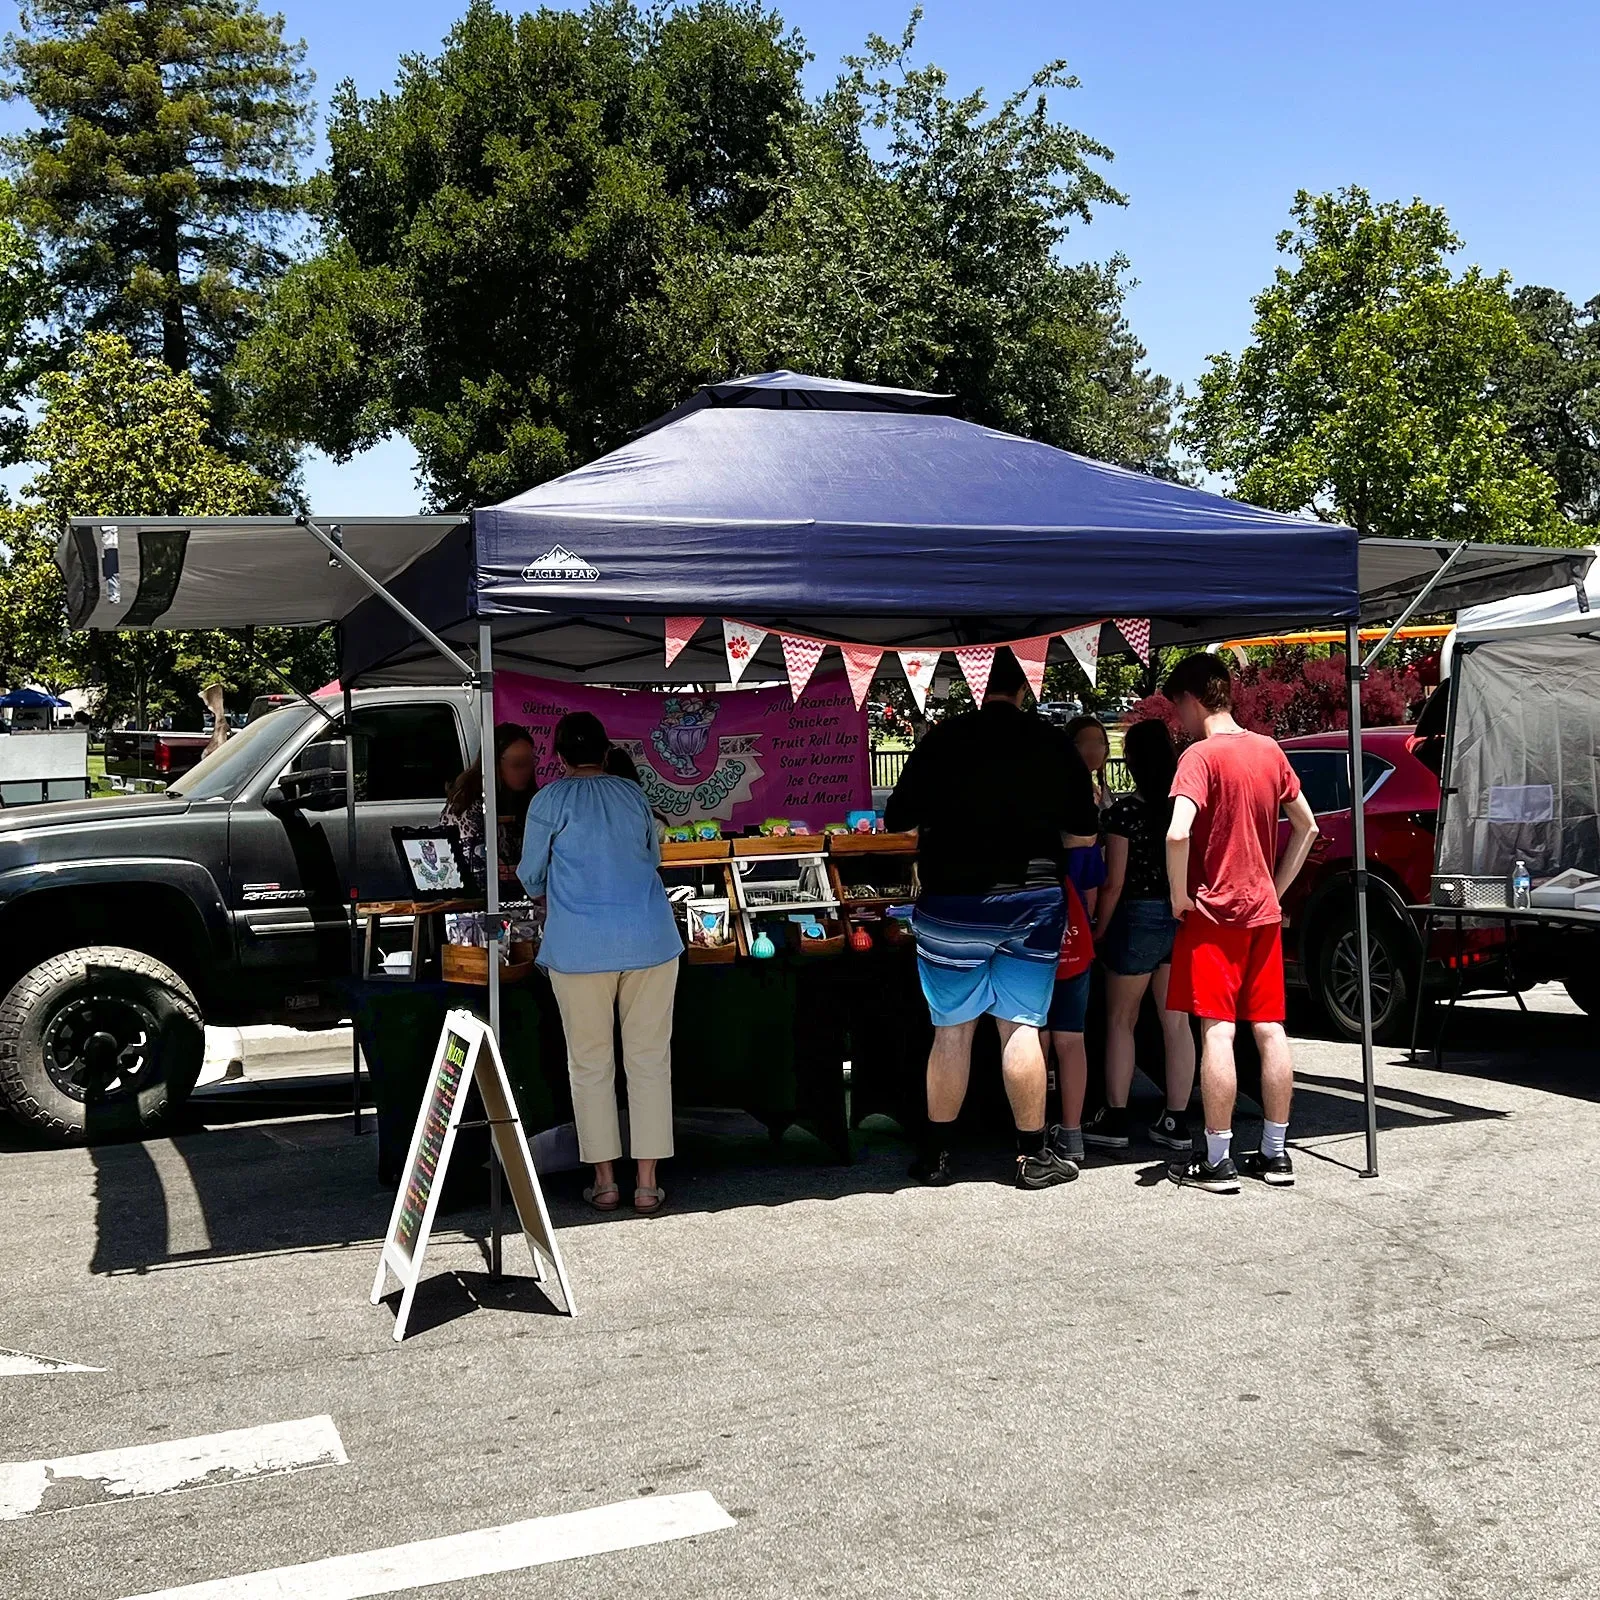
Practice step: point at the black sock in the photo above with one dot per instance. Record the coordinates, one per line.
(1030, 1144)
(935, 1139)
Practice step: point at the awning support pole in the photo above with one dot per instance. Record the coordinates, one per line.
(336, 551)
(353, 877)
(491, 857)
(1405, 616)
(1354, 672)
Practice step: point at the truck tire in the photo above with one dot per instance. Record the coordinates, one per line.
(98, 1043)
(1584, 992)
(1337, 975)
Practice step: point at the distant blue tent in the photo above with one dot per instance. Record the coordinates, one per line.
(852, 512)
(29, 700)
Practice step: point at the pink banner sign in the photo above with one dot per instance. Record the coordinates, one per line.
(738, 758)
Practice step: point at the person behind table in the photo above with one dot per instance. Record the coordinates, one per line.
(611, 950)
(996, 796)
(516, 783)
(1135, 945)
(1227, 958)
(1092, 742)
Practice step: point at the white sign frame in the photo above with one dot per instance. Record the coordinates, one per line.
(481, 1063)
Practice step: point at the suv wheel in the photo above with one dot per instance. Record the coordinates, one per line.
(1338, 975)
(99, 1043)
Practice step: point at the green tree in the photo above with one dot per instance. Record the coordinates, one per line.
(123, 435)
(1551, 393)
(567, 221)
(1367, 394)
(493, 226)
(163, 170)
(915, 241)
(26, 300)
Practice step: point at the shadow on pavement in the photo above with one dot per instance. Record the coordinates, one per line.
(259, 1170)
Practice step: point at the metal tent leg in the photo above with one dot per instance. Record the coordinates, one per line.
(1358, 812)
(353, 888)
(491, 839)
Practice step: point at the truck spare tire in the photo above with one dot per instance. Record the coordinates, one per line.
(98, 1043)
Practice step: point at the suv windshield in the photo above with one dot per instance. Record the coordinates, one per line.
(229, 767)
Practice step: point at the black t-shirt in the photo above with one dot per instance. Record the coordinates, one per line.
(1145, 828)
(991, 793)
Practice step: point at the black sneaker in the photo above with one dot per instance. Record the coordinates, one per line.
(1107, 1129)
(1044, 1171)
(1067, 1144)
(1276, 1170)
(935, 1173)
(1200, 1174)
(1172, 1132)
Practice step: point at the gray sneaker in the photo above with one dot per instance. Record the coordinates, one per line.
(1067, 1143)
(1044, 1171)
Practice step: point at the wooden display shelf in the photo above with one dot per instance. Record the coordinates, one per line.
(872, 844)
(694, 852)
(797, 844)
(469, 964)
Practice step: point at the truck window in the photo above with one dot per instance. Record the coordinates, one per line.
(232, 765)
(406, 752)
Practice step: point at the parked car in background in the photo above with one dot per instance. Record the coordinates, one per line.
(152, 753)
(1059, 712)
(1319, 912)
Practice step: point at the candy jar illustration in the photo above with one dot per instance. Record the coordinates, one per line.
(681, 736)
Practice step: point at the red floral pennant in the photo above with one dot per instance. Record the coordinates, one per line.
(919, 667)
(741, 642)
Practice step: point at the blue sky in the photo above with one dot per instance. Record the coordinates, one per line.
(1217, 114)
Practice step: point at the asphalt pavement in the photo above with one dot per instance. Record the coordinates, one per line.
(1361, 1387)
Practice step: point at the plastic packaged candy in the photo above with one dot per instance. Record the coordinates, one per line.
(864, 822)
(762, 947)
(707, 830)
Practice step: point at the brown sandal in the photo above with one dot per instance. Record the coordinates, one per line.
(596, 1195)
(657, 1198)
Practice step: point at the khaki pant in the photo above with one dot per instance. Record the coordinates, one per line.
(590, 1002)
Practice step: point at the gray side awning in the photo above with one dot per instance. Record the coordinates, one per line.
(228, 572)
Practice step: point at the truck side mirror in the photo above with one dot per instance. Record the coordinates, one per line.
(315, 779)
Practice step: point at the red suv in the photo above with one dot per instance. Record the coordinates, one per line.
(1319, 912)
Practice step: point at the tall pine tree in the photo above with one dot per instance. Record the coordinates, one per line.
(163, 172)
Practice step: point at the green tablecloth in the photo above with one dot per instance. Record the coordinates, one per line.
(769, 1038)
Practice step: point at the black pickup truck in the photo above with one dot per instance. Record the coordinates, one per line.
(127, 925)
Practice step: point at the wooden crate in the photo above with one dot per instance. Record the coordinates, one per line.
(802, 844)
(694, 852)
(469, 964)
(872, 844)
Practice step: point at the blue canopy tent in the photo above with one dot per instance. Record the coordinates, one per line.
(30, 700)
(840, 510)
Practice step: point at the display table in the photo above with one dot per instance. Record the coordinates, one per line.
(1515, 919)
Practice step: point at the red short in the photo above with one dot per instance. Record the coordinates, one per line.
(1227, 974)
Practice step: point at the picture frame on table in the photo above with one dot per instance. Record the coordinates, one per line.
(433, 861)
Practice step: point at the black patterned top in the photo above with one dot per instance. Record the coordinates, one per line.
(1145, 829)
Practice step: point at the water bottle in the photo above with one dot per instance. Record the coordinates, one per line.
(1521, 895)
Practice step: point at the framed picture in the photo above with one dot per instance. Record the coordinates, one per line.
(433, 861)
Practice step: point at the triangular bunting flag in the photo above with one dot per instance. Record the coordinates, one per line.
(1136, 630)
(1030, 654)
(919, 667)
(741, 641)
(1084, 643)
(976, 661)
(800, 656)
(860, 667)
(680, 630)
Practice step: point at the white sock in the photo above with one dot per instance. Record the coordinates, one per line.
(1217, 1146)
(1272, 1136)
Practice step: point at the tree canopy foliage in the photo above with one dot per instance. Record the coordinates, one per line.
(162, 172)
(1367, 394)
(566, 221)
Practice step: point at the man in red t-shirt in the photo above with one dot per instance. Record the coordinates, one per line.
(1227, 884)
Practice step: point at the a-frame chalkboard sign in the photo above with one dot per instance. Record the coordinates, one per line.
(467, 1053)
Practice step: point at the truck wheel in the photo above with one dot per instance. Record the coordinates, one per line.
(1338, 976)
(98, 1043)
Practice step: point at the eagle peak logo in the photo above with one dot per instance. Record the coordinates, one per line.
(560, 566)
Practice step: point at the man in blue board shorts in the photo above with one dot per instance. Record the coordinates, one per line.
(996, 796)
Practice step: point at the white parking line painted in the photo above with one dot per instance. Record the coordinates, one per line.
(534, 1543)
(20, 1364)
(31, 1487)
